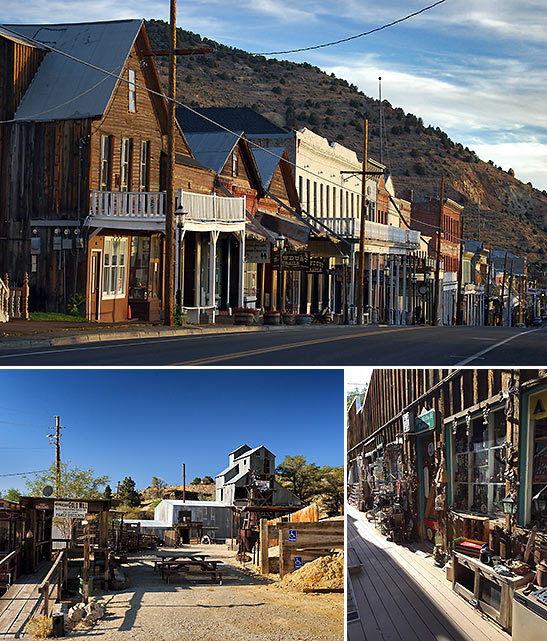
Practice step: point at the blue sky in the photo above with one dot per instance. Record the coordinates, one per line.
(475, 68)
(143, 423)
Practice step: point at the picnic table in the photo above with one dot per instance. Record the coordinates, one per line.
(187, 563)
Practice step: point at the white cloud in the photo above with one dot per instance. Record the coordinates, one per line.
(528, 159)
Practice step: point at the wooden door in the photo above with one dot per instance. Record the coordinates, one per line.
(95, 280)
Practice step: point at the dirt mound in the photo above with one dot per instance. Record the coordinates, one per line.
(325, 573)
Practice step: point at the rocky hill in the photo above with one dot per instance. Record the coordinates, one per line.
(513, 215)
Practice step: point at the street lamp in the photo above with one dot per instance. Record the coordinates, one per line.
(509, 504)
(179, 221)
(280, 245)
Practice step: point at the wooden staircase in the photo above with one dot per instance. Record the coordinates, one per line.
(13, 300)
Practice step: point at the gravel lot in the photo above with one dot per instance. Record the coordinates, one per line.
(246, 607)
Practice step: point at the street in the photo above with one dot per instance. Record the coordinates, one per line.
(311, 346)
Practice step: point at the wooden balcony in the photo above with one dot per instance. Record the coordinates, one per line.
(210, 208)
(374, 232)
(127, 204)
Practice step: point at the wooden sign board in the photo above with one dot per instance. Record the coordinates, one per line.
(70, 509)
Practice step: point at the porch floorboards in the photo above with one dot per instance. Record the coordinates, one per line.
(401, 596)
(18, 604)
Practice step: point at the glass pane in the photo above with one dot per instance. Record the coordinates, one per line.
(461, 439)
(500, 428)
(461, 496)
(499, 467)
(480, 499)
(498, 495)
(461, 471)
(490, 593)
(479, 434)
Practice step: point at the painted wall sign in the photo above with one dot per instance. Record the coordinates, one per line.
(293, 260)
(292, 535)
(70, 509)
(538, 405)
(298, 563)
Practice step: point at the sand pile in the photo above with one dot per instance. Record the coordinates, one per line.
(325, 573)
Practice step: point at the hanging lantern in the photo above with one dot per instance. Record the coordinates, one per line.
(509, 504)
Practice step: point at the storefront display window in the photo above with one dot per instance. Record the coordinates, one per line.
(138, 272)
(478, 467)
(539, 471)
(115, 254)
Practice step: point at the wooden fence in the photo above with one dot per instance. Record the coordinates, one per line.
(308, 514)
(8, 568)
(13, 300)
(299, 543)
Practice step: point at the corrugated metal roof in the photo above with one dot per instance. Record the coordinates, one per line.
(64, 89)
(234, 118)
(19, 39)
(212, 149)
(267, 163)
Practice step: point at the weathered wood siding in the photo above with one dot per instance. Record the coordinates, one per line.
(18, 63)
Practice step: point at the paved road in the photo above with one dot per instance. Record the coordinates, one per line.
(327, 346)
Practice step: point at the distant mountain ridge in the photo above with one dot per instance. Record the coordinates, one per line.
(513, 215)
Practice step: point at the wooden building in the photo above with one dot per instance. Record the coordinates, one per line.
(453, 444)
(82, 168)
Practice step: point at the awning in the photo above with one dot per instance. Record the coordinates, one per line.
(296, 233)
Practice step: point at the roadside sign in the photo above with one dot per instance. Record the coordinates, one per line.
(292, 535)
(257, 251)
(70, 509)
(425, 421)
(298, 563)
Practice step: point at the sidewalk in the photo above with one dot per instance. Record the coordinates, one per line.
(22, 334)
(401, 596)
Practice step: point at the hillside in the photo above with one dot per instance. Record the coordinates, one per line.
(513, 215)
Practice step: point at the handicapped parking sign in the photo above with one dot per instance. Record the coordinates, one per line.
(298, 563)
(292, 535)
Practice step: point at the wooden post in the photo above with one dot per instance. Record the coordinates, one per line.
(24, 302)
(170, 182)
(264, 558)
(46, 599)
(509, 287)
(459, 301)
(438, 261)
(281, 552)
(361, 281)
(85, 577)
(502, 297)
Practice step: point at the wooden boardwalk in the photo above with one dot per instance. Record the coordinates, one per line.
(401, 596)
(19, 603)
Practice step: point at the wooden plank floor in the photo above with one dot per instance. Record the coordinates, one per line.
(19, 602)
(401, 596)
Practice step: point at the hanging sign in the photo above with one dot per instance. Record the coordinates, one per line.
(292, 535)
(70, 509)
(425, 421)
(538, 405)
(293, 260)
(318, 265)
(406, 422)
(257, 251)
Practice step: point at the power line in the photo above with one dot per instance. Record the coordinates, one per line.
(23, 473)
(197, 113)
(359, 35)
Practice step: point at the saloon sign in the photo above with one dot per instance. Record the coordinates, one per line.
(70, 509)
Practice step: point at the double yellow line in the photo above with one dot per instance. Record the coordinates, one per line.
(278, 348)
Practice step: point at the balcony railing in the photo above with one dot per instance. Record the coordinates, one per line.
(127, 204)
(350, 228)
(210, 208)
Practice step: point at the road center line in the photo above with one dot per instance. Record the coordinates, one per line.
(468, 360)
(277, 348)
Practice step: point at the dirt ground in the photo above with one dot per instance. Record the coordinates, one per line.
(247, 607)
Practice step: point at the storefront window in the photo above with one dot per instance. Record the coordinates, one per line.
(539, 471)
(478, 466)
(138, 271)
(115, 253)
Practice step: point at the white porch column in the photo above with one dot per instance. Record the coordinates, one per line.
(352, 277)
(403, 318)
(212, 270)
(179, 263)
(370, 288)
(391, 290)
(241, 268)
(377, 288)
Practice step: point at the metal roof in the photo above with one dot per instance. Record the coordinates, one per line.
(234, 118)
(267, 163)
(213, 148)
(65, 89)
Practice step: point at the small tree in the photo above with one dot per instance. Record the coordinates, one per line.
(196, 481)
(12, 495)
(127, 494)
(300, 477)
(75, 482)
(158, 485)
(207, 480)
(333, 489)
(108, 492)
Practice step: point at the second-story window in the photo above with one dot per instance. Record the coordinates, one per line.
(144, 172)
(132, 91)
(106, 163)
(125, 175)
(235, 163)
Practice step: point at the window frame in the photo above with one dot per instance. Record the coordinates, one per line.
(144, 166)
(126, 154)
(107, 292)
(132, 92)
(105, 166)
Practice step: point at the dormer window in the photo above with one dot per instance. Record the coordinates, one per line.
(132, 91)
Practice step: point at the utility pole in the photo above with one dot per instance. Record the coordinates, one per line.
(438, 261)
(380, 115)
(56, 438)
(173, 52)
(361, 282)
(510, 283)
(502, 297)
(488, 277)
(459, 301)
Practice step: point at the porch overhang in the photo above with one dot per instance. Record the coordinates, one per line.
(209, 225)
(126, 223)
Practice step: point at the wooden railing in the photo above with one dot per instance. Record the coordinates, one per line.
(210, 208)
(8, 567)
(127, 204)
(13, 300)
(54, 581)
